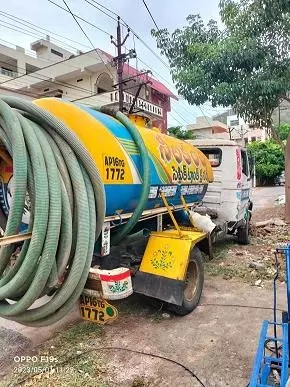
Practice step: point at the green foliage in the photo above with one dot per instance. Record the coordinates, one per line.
(178, 132)
(269, 160)
(246, 65)
(283, 131)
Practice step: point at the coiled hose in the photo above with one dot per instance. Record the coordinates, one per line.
(127, 227)
(67, 213)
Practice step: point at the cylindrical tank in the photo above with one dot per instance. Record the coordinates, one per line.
(175, 166)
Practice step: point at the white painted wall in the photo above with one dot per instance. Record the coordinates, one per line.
(43, 48)
(20, 56)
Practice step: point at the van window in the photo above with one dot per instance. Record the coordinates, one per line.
(245, 165)
(214, 155)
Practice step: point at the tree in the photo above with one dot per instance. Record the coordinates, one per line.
(178, 132)
(283, 131)
(268, 157)
(246, 65)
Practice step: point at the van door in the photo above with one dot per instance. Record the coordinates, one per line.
(246, 183)
(213, 196)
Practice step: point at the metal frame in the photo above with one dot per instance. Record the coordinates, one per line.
(264, 363)
(148, 213)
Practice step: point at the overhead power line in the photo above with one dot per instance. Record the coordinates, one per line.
(131, 29)
(74, 88)
(37, 28)
(80, 18)
(101, 10)
(176, 119)
(86, 35)
(33, 33)
(61, 83)
(124, 24)
(37, 37)
(17, 30)
(146, 6)
(128, 26)
(107, 9)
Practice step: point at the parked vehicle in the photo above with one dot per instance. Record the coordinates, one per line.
(130, 198)
(141, 179)
(280, 180)
(228, 198)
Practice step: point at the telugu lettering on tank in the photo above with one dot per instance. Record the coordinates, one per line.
(185, 174)
(186, 166)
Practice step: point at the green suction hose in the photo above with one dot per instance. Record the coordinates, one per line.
(127, 227)
(67, 214)
(66, 217)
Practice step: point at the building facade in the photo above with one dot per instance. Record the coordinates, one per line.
(206, 127)
(89, 78)
(242, 133)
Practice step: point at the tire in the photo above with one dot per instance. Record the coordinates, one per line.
(243, 234)
(193, 284)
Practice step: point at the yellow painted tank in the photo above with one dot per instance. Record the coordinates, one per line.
(176, 166)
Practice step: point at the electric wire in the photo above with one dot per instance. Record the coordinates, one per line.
(113, 348)
(64, 84)
(80, 18)
(146, 6)
(176, 119)
(134, 33)
(76, 87)
(127, 25)
(32, 33)
(17, 30)
(124, 24)
(148, 10)
(48, 80)
(74, 16)
(37, 28)
(132, 30)
(86, 35)
(107, 9)
(105, 13)
(50, 65)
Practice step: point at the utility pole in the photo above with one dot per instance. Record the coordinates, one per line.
(254, 179)
(119, 61)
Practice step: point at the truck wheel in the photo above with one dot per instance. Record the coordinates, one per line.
(193, 284)
(243, 234)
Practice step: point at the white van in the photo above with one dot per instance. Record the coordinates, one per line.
(228, 198)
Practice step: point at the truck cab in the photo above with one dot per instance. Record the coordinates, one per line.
(228, 198)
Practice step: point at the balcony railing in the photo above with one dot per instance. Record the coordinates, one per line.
(112, 98)
(8, 73)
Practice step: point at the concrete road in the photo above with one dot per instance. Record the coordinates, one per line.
(266, 196)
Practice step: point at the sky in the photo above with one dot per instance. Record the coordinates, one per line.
(169, 14)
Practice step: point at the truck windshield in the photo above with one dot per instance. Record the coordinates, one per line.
(214, 155)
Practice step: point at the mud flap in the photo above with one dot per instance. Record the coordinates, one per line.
(162, 288)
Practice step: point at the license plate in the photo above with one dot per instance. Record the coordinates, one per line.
(97, 310)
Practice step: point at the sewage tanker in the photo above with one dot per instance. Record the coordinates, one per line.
(90, 197)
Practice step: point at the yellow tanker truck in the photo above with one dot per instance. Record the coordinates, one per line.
(95, 205)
